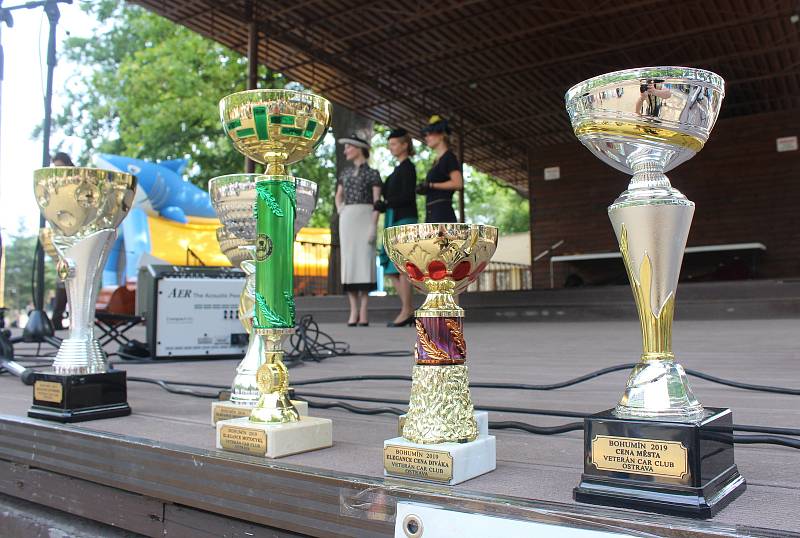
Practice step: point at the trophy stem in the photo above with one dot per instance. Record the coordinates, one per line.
(244, 389)
(80, 266)
(274, 405)
(652, 237)
(440, 409)
(648, 174)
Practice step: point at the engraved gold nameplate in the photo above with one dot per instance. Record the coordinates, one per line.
(226, 412)
(243, 440)
(650, 457)
(48, 391)
(412, 462)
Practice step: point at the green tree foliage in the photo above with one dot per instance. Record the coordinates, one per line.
(490, 202)
(150, 89)
(19, 250)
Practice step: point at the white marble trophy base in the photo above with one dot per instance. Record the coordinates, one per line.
(443, 463)
(274, 440)
(225, 410)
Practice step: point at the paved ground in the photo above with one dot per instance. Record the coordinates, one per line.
(530, 466)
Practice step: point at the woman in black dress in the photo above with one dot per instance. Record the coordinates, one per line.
(400, 206)
(444, 177)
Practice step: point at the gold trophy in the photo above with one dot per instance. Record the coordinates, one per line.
(84, 206)
(274, 128)
(442, 438)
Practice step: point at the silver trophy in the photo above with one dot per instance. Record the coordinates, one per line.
(658, 449)
(84, 206)
(645, 122)
(233, 197)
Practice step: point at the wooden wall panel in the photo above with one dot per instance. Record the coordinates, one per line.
(744, 190)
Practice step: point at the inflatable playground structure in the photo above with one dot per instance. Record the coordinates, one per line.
(172, 222)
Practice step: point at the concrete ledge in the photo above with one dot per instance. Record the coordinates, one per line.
(746, 299)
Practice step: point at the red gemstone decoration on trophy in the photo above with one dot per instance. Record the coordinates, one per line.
(414, 272)
(437, 270)
(461, 270)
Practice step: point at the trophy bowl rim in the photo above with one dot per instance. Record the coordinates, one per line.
(392, 231)
(66, 170)
(694, 75)
(212, 183)
(276, 91)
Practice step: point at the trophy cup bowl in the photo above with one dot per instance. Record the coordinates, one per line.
(275, 127)
(441, 433)
(429, 253)
(660, 115)
(233, 197)
(84, 206)
(645, 122)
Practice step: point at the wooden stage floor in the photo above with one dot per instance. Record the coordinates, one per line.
(536, 467)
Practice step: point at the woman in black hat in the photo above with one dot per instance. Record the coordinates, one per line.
(357, 190)
(444, 177)
(400, 204)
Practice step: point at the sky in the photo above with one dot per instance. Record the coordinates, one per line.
(25, 48)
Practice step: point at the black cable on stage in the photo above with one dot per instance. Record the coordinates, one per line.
(169, 387)
(563, 428)
(541, 430)
(562, 384)
(498, 425)
(766, 439)
(745, 386)
(497, 409)
(356, 409)
(352, 378)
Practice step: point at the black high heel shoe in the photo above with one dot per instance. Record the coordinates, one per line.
(409, 321)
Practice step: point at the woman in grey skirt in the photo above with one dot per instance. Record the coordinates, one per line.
(357, 190)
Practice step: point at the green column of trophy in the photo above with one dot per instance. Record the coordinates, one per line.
(274, 128)
(274, 309)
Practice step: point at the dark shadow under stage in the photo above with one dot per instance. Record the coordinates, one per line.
(156, 472)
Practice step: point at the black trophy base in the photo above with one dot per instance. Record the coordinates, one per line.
(80, 397)
(677, 468)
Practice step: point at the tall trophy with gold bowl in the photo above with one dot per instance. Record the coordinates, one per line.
(442, 439)
(658, 449)
(83, 206)
(234, 197)
(275, 128)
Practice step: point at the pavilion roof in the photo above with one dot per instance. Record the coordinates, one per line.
(499, 68)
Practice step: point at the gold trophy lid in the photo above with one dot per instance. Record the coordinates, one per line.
(80, 201)
(434, 252)
(275, 127)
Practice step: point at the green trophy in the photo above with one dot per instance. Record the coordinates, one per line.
(274, 128)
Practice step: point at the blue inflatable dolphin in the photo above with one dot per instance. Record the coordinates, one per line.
(168, 194)
(161, 191)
